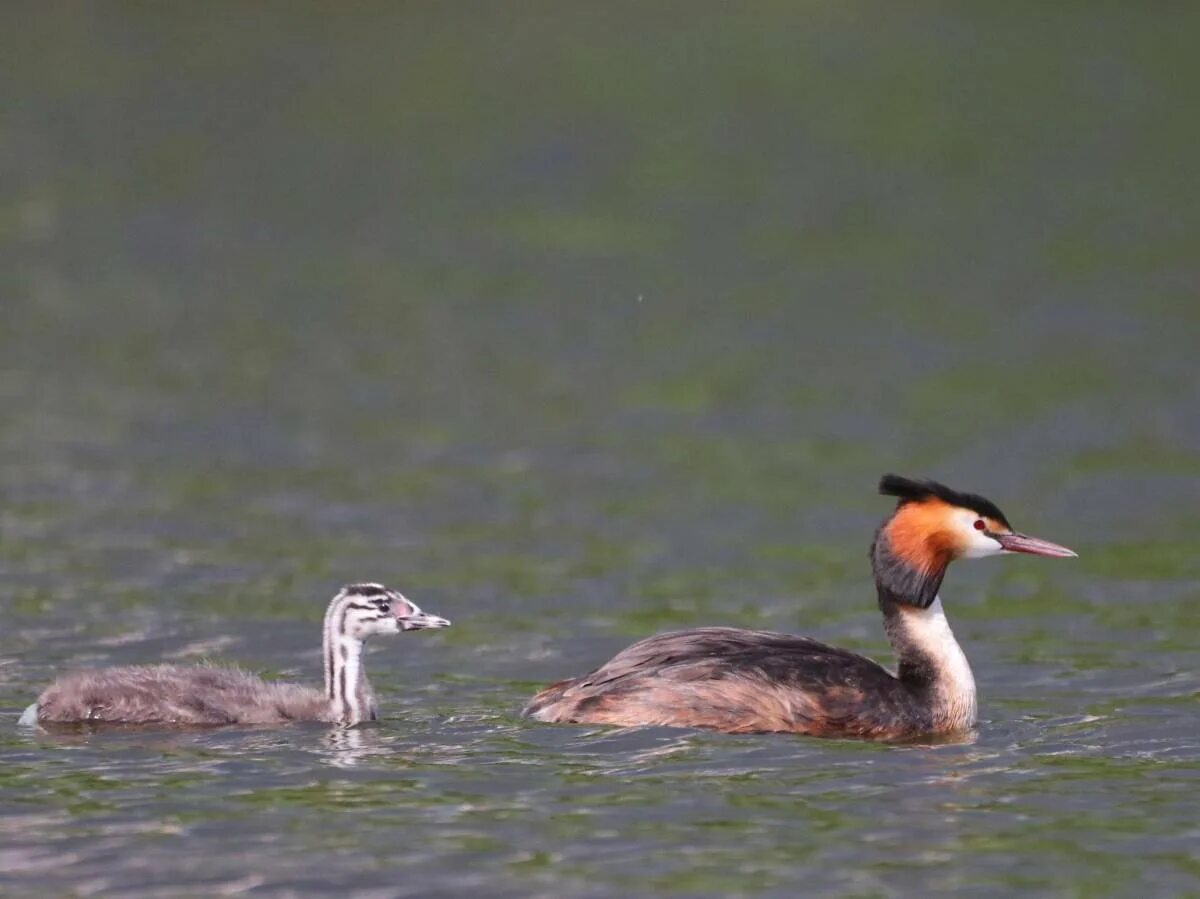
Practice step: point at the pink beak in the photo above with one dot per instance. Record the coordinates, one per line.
(1020, 543)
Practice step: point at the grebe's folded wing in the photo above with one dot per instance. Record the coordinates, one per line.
(715, 652)
(731, 680)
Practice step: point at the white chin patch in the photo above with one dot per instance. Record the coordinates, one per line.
(982, 547)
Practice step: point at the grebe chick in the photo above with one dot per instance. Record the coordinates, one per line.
(742, 681)
(206, 695)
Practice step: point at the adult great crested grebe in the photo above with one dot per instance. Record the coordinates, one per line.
(742, 681)
(207, 695)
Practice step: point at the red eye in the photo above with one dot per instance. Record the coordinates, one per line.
(980, 525)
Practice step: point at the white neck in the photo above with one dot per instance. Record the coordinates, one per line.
(350, 698)
(925, 634)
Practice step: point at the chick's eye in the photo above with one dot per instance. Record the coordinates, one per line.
(384, 607)
(980, 524)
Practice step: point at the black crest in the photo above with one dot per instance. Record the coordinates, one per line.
(910, 491)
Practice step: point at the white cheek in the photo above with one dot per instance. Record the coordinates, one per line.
(978, 545)
(981, 546)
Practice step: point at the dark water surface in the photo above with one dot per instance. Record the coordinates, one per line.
(577, 325)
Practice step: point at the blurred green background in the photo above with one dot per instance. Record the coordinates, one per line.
(577, 323)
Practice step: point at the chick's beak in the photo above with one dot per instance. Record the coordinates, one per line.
(1023, 543)
(417, 620)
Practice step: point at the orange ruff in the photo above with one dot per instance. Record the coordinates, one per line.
(921, 535)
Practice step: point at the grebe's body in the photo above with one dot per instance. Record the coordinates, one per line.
(207, 695)
(742, 681)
